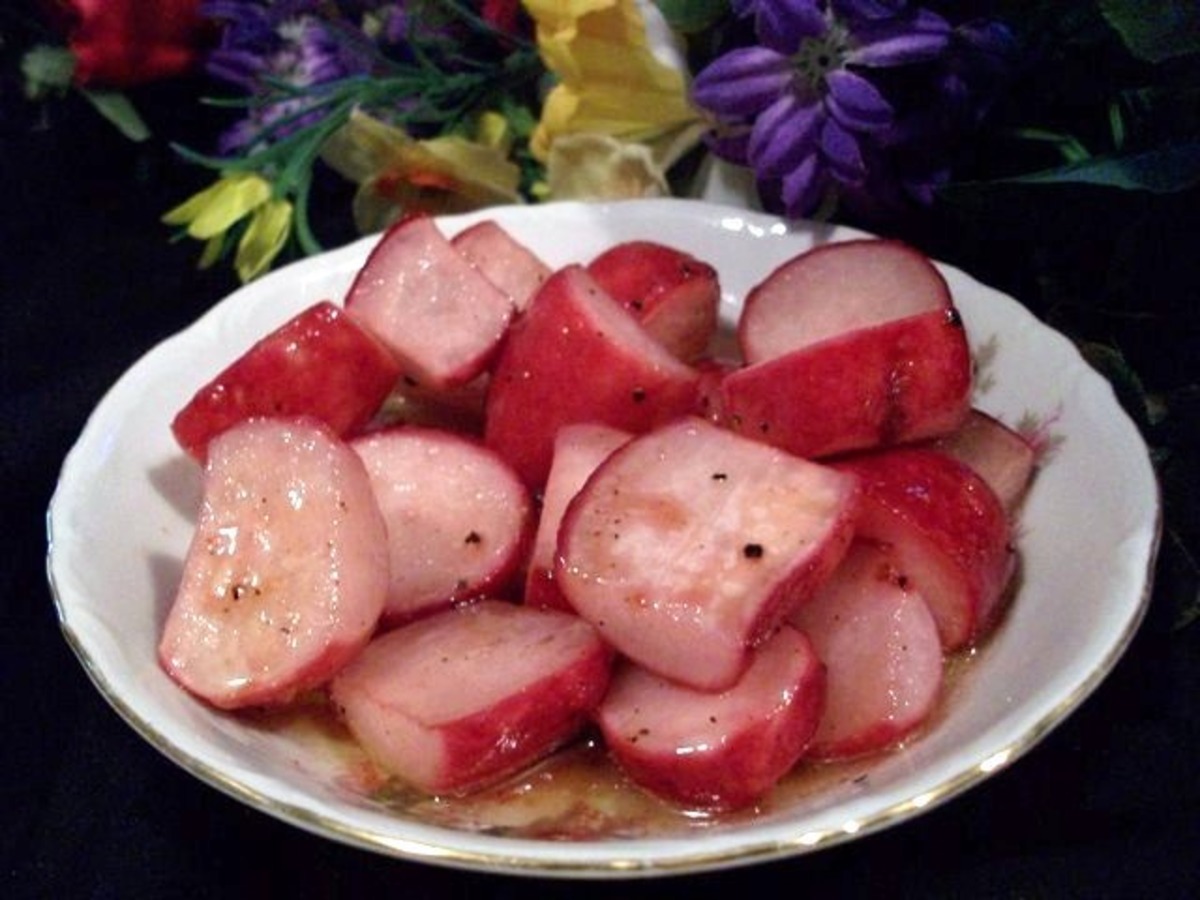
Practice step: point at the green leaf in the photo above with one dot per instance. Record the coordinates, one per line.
(1163, 170)
(47, 70)
(1155, 30)
(690, 16)
(116, 107)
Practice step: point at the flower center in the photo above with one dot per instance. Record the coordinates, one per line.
(816, 57)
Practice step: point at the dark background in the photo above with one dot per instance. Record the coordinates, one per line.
(1108, 805)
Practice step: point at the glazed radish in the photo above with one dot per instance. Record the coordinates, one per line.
(439, 315)
(834, 289)
(504, 260)
(1004, 458)
(947, 530)
(286, 574)
(689, 545)
(458, 519)
(468, 696)
(578, 450)
(882, 655)
(886, 384)
(577, 356)
(319, 364)
(723, 750)
(674, 295)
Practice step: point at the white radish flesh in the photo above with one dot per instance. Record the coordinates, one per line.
(458, 518)
(882, 654)
(466, 697)
(688, 546)
(285, 578)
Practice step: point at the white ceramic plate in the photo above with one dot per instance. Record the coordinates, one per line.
(121, 518)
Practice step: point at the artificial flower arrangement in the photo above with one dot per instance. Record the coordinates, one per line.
(994, 115)
(858, 109)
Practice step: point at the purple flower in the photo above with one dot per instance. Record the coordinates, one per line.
(803, 107)
(286, 43)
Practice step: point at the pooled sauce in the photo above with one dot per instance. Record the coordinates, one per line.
(575, 794)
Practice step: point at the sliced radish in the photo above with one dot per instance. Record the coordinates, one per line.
(674, 295)
(874, 386)
(1004, 458)
(578, 450)
(287, 571)
(458, 518)
(468, 696)
(882, 655)
(577, 356)
(948, 533)
(319, 363)
(717, 750)
(504, 260)
(834, 289)
(439, 315)
(689, 545)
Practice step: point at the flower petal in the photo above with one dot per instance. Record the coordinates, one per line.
(265, 236)
(856, 103)
(868, 9)
(600, 167)
(743, 82)
(784, 135)
(782, 25)
(731, 145)
(803, 187)
(615, 74)
(840, 150)
(901, 41)
(216, 208)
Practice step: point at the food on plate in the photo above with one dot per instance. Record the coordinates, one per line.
(1002, 456)
(673, 295)
(576, 355)
(883, 658)
(319, 363)
(717, 750)
(578, 450)
(465, 697)
(286, 575)
(440, 316)
(687, 547)
(458, 519)
(947, 530)
(504, 260)
(723, 567)
(834, 289)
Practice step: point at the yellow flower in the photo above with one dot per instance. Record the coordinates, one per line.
(210, 214)
(397, 174)
(600, 167)
(617, 77)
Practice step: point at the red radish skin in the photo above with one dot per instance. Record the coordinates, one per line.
(319, 364)
(671, 293)
(947, 530)
(578, 450)
(882, 654)
(900, 381)
(834, 289)
(1004, 458)
(459, 520)
(689, 545)
(504, 260)
(724, 750)
(577, 356)
(285, 578)
(467, 697)
(440, 316)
